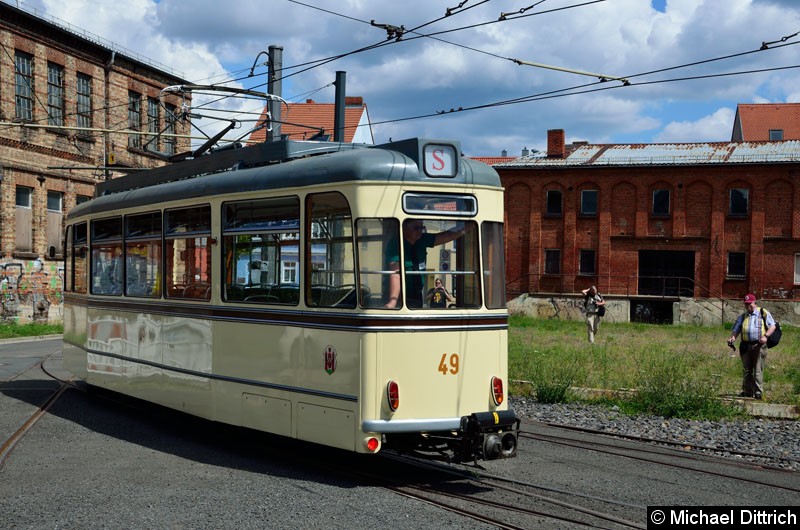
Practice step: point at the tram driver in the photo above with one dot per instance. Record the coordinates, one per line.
(416, 242)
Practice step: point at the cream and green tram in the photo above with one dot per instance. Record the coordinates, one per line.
(351, 296)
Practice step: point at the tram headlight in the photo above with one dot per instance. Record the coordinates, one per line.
(393, 395)
(498, 393)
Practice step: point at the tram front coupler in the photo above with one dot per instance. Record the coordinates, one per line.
(490, 435)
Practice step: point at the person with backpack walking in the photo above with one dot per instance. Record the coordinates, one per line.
(755, 325)
(593, 306)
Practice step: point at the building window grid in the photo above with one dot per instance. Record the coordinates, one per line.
(797, 269)
(739, 202)
(24, 196)
(24, 89)
(589, 202)
(775, 135)
(55, 201)
(83, 101)
(661, 203)
(737, 266)
(554, 203)
(153, 115)
(55, 94)
(169, 129)
(552, 261)
(134, 119)
(587, 265)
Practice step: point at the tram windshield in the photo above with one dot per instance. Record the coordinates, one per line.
(436, 266)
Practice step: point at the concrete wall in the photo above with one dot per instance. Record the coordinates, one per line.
(701, 312)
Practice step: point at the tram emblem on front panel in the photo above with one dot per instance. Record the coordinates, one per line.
(330, 359)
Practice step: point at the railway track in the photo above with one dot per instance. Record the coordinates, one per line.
(720, 451)
(661, 456)
(60, 387)
(507, 503)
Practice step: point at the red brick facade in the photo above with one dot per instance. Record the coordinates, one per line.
(36, 155)
(761, 245)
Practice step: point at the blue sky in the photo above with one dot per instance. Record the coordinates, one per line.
(467, 60)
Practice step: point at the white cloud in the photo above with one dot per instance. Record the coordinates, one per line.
(715, 127)
(212, 40)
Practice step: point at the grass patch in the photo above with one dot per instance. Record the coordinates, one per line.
(678, 371)
(33, 329)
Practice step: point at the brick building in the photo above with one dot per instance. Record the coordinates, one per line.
(73, 111)
(655, 221)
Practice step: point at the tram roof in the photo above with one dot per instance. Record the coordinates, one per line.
(290, 164)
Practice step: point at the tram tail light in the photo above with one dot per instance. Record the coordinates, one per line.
(372, 444)
(497, 391)
(393, 395)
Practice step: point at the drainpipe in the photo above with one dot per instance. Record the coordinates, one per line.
(107, 115)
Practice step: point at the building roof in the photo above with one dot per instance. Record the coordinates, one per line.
(754, 121)
(302, 121)
(492, 160)
(666, 154)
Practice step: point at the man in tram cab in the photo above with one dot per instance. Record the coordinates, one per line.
(416, 242)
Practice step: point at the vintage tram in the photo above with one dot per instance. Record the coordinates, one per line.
(289, 287)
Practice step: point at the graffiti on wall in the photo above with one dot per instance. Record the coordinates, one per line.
(29, 290)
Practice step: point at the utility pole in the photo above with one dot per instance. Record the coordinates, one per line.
(275, 87)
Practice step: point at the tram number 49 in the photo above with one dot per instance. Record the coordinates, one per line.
(449, 365)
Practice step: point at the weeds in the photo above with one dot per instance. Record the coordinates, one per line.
(677, 371)
(34, 329)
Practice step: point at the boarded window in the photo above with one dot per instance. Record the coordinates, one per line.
(24, 220)
(55, 218)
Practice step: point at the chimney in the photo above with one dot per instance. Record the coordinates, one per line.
(353, 101)
(504, 153)
(525, 151)
(555, 143)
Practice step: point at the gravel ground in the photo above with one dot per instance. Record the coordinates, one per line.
(773, 438)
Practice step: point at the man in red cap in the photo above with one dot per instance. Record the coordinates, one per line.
(755, 326)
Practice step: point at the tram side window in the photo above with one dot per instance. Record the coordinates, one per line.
(79, 246)
(330, 260)
(261, 245)
(106, 253)
(143, 255)
(374, 237)
(493, 265)
(68, 267)
(187, 234)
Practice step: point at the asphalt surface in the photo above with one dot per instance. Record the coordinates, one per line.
(91, 462)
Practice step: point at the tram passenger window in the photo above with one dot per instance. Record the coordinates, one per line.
(374, 236)
(68, 266)
(260, 242)
(330, 259)
(107, 256)
(493, 265)
(143, 255)
(79, 248)
(187, 234)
